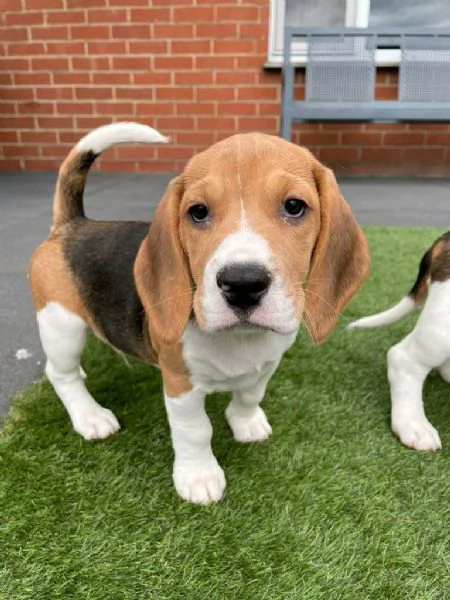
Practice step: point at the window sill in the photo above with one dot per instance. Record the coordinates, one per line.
(383, 58)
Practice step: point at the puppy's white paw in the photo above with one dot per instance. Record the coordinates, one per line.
(254, 429)
(418, 434)
(200, 485)
(94, 422)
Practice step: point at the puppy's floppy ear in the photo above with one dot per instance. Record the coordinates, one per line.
(340, 259)
(162, 273)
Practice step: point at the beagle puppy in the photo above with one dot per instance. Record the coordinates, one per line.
(251, 240)
(425, 348)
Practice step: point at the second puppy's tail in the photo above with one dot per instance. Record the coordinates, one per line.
(68, 200)
(408, 303)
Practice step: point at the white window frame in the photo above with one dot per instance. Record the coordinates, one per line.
(356, 15)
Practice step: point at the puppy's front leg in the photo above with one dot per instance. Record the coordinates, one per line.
(197, 475)
(244, 414)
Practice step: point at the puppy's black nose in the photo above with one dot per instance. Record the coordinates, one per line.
(243, 284)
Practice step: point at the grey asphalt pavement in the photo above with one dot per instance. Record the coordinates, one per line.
(25, 215)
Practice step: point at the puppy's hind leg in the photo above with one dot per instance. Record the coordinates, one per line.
(63, 336)
(444, 370)
(410, 361)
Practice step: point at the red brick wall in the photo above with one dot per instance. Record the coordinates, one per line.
(191, 68)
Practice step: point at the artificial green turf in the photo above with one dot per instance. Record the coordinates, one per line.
(331, 507)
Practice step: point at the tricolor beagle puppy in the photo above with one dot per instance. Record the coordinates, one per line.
(251, 240)
(425, 348)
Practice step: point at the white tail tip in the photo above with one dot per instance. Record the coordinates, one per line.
(393, 314)
(104, 137)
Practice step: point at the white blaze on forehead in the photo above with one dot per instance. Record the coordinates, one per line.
(244, 245)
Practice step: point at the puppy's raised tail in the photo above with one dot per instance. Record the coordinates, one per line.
(68, 200)
(409, 303)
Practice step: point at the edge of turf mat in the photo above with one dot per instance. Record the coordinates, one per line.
(332, 506)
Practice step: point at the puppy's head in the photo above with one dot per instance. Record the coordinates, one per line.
(253, 233)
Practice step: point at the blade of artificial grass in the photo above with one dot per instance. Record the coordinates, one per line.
(331, 507)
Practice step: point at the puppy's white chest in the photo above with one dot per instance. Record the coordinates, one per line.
(230, 360)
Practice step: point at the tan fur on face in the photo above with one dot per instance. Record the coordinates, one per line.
(248, 177)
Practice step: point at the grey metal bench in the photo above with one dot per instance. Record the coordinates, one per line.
(340, 76)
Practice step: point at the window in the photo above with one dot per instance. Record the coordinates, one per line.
(352, 13)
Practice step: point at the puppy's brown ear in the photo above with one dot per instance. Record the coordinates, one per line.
(340, 259)
(161, 271)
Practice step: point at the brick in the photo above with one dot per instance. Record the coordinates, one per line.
(194, 14)
(24, 18)
(55, 122)
(384, 155)
(319, 138)
(11, 5)
(265, 109)
(238, 14)
(386, 93)
(90, 32)
(10, 164)
(56, 151)
(69, 137)
(116, 166)
(107, 48)
(233, 47)
(37, 164)
(13, 34)
(216, 93)
(156, 166)
(268, 124)
(152, 78)
(217, 30)
(403, 139)
(237, 108)
(195, 138)
(16, 122)
(258, 93)
(134, 153)
(65, 48)
(71, 78)
(214, 62)
(107, 15)
(129, 2)
(134, 93)
(216, 124)
(43, 4)
(340, 155)
(6, 79)
(112, 79)
(53, 32)
(25, 49)
(130, 31)
(75, 108)
(45, 63)
(199, 108)
(173, 62)
(87, 123)
(190, 47)
(38, 137)
(149, 15)
(32, 79)
(19, 151)
(166, 124)
(235, 78)
(93, 93)
(365, 138)
(442, 127)
(155, 108)
(114, 108)
(149, 47)
(130, 63)
(9, 137)
(253, 30)
(176, 153)
(67, 16)
(250, 62)
(54, 93)
(99, 63)
(174, 93)
(424, 155)
(194, 78)
(36, 108)
(174, 31)
(438, 138)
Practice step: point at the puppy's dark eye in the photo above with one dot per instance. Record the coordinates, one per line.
(199, 213)
(293, 207)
